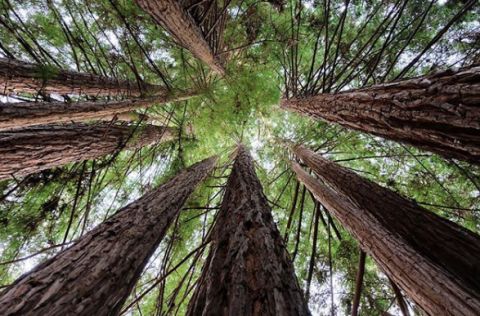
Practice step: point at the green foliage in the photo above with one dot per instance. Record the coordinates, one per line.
(268, 53)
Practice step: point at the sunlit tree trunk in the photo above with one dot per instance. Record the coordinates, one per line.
(23, 114)
(97, 273)
(33, 149)
(248, 271)
(173, 17)
(435, 261)
(22, 77)
(439, 113)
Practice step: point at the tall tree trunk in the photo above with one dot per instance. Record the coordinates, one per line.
(435, 261)
(359, 283)
(439, 113)
(97, 273)
(173, 17)
(33, 149)
(400, 300)
(18, 76)
(23, 114)
(248, 271)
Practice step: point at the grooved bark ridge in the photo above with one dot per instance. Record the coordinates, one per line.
(435, 261)
(37, 148)
(22, 77)
(23, 114)
(438, 113)
(171, 16)
(248, 271)
(97, 273)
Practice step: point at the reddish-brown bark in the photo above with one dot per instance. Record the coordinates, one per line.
(400, 300)
(173, 17)
(97, 273)
(439, 113)
(248, 271)
(435, 261)
(358, 283)
(23, 114)
(33, 149)
(22, 77)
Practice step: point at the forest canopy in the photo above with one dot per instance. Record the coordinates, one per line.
(259, 53)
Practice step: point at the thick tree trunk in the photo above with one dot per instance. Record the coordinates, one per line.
(22, 77)
(248, 271)
(23, 114)
(435, 261)
(173, 17)
(96, 274)
(439, 113)
(33, 149)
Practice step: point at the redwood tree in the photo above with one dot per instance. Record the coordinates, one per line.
(22, 114)
(435, 261)
(177, 21)
(97, 273)
(439, 113)
(33, 149)
(21, 77)
(248, 271)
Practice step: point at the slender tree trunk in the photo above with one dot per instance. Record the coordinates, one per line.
(173, 17)
(359, 283)
(438, 113)
(400, 300)
(435, 261)
(22, 77)
(23, 114)
(248, 271)
(96, 274)
(33, 149)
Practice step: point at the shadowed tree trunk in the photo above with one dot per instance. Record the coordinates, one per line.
(173, 17)
(33, 149)
(400, 300)
(23, 114)
(22, 77)
(359, 283)
(96, 274)
(438, 113)
(435, 261)
(248, 271)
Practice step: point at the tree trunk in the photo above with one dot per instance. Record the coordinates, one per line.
(97, 273)
(438, 113)
(435, 261)
(359, 283)
(173, 17)
(400, 300)
(33, 149)
(23, 114)
(22, 77)
(248, 271)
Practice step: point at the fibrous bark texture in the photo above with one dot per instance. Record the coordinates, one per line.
(22, 77)
(173, 17)
(435, 261)
(96, 274)
(439, 113)
(248, 271)
(23, 114)
(33, 149)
